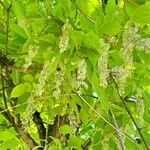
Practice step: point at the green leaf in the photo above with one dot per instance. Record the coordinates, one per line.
(19, 10)
(111, 28)
(91, 40)
(77, 38)
(141, 14)
(74, 142)
(28, 78)
(65, 129)
(15, 76)
(18, 90)
(97, 140)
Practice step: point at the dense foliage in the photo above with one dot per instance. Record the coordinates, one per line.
(74, 74)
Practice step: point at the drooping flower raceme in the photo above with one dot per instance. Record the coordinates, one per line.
(58, 81)
(43, 76)
(29, 111)
(81, 75)
(139, 105)
(73, 121)
(129, 38)
(64, 39)
(33, 50)
(33, 100)
(102, 63)
(143, 45)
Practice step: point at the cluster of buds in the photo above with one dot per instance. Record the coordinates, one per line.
(64, 38)
(81, 76)
(102, 63)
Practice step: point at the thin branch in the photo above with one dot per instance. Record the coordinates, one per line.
(40, 127)
(129, 113)
(95, 111)
(3, 91)
(7, 29)
(135, 4)
(82, 12)
(2, 4)
(10, 118)
(26, 137)
(86, 144)
(118, 130)
(5, 114)
(53, 130)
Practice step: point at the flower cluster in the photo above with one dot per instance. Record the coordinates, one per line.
(33, 50)
(121, 74)
(81, 76)
(143, 45)
(122, 80)
(111, 39)
(32, 103)
(29, 111)
(139, 105)
(58, 81)
(129, 38)
(64, 39)
(102, 63)
(73, 121)
(116, 71)
(23, 23)
(43, 76)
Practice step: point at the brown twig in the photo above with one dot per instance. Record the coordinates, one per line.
(134, 3)
(86, 144)
(40, 127)
(82, 12)
(24, 135)
(95, 111)
(120, 140)
(129, 113)
(2, 4)
(7, 28)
